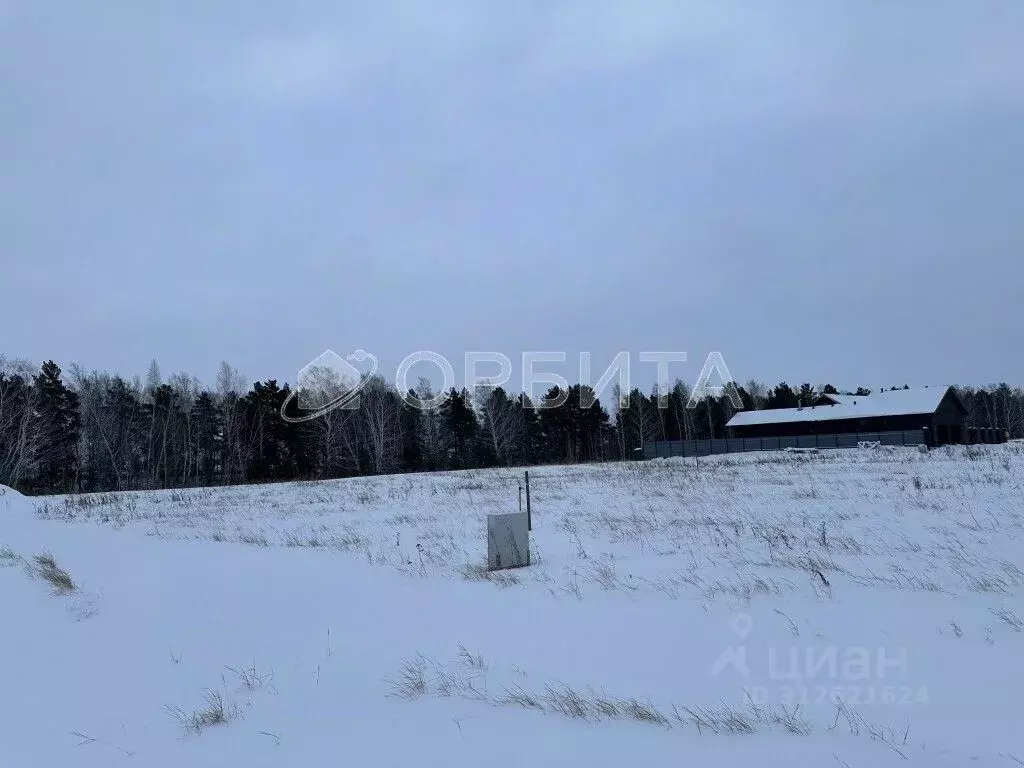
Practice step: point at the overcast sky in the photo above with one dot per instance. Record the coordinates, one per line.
(820, 191)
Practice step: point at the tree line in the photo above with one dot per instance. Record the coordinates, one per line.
(78, 431)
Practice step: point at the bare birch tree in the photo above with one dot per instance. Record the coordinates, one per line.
(501, 420)
(380, 408)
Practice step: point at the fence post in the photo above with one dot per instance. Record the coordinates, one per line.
(529, 516)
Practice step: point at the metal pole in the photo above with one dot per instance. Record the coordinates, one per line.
(529, 514)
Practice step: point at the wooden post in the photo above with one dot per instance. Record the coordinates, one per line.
(529, 515)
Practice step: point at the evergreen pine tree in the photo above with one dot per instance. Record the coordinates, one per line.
(207, 427)
(56, 431)
(460, 425)
(412, 437)
(782, 396)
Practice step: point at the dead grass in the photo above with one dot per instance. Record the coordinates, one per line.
(466, 678)
(45, 567)
(411, 682)
(896, 737)
(251, 679)
(518, 696)
(472, 660)
(217, 709)
(739, 528)
(718, 719)
(85, 739)
(1011, 619)
(9, 558)
(480, 572)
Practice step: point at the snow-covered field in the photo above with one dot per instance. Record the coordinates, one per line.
(856, 608)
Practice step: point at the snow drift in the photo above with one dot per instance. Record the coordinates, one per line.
(857, 609)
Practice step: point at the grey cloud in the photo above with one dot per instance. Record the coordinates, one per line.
(820, 192)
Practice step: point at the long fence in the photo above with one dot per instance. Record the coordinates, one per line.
(663, 449)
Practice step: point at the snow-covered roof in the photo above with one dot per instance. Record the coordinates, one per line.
(895, 402)
(842, 398)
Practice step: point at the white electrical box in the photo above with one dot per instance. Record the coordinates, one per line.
(508, 541)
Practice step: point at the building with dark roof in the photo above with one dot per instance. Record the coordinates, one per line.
(937, 410)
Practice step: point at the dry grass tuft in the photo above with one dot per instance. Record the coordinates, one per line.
(643, 711)
(896, 738)
(217, 709)
(252, 679)
(520, 697)
(597, 706)
(8, 557)
(46, 568)
(472, 660)
(411, 682)
(565, 701)
(722, 719)
(1011, 619)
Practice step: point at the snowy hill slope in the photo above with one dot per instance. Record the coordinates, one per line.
(674, 614)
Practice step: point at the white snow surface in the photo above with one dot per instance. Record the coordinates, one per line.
(895, 402)
(657, 587)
